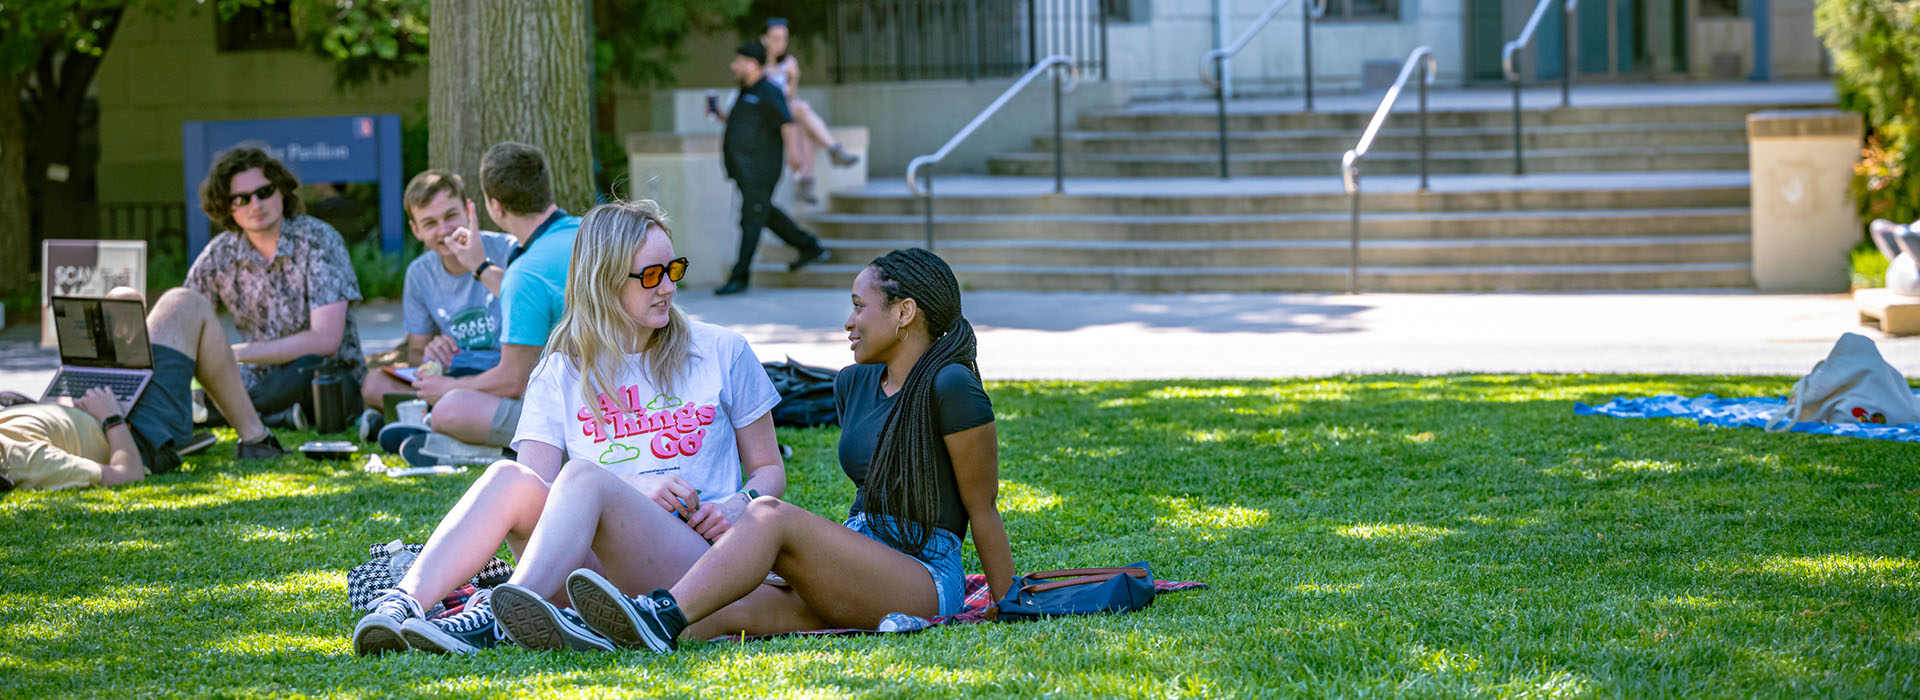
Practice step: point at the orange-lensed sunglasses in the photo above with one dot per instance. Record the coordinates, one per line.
(649, 276)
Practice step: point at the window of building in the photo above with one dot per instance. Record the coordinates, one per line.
(1126, 11)
(1720, 8)
(268, 25)
(1371, 10)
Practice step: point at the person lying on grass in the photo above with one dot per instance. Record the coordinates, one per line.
(632, 403)
(98, 441)
(917, 439)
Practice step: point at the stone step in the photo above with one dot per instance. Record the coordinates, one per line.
(1562, 160)
(1462, 278)
(1311, 225)
(1404, 136)
(1201, 116)
(1211, 254)
(1125, 197)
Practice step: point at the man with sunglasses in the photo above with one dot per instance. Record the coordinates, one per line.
(484, 409)
(287, 280)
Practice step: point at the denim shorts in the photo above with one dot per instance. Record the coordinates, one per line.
(941, 556)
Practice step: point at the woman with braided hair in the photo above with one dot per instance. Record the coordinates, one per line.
(919, 442)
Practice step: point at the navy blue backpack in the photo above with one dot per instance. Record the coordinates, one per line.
(1079, 592)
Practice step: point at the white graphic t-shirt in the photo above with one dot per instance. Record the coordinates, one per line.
(688, 432)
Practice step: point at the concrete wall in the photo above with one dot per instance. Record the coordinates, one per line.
(904, 120)
(162, 72)
(1797, 52)
(1714, 36)
(1162, 57)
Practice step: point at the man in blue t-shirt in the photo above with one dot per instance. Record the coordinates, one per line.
(446, 310)
(485, 408)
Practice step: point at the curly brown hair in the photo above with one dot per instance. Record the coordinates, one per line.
(216, 192)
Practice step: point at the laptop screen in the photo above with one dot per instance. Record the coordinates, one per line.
(102, 332)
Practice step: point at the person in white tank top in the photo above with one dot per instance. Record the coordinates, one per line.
(783, 70)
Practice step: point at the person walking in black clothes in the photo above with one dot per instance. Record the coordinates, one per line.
(753, 151)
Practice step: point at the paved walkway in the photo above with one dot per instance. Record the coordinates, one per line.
(1028, 335)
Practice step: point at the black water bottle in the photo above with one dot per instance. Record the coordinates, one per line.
(329, 405)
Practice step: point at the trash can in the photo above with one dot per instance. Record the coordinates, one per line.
(1804, 219)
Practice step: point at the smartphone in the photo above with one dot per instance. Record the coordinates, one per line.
(713, 101)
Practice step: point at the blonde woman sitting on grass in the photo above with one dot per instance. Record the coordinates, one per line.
(632, 402)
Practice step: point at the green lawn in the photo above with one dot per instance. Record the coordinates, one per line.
(1390, 535)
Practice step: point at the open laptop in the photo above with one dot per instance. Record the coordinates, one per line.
(103, 342)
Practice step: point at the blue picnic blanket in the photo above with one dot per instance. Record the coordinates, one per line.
(1751, 412)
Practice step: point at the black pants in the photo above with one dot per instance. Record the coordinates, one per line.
(758, 212)
(289, 384)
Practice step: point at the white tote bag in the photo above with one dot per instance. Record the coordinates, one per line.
(1853, 385)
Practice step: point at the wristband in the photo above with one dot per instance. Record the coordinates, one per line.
(110, 422)
(484, 264)
(750, 494)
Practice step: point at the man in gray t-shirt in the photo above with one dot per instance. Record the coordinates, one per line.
(450, 316)
(442, 302)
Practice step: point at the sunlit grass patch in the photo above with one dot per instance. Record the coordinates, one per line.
(1852, 568)
(1396, 532)
(1208, 521)
(1016, 497)
(1383, 536)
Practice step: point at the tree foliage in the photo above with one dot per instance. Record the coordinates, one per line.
(366, 41)
(1876, 59)
(637, 42)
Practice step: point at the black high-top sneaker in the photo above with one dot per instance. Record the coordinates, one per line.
(640, 622)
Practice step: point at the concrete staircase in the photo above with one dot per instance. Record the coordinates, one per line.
(1612, 139)
(1621, 197)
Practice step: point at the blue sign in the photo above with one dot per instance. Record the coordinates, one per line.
(317, 149)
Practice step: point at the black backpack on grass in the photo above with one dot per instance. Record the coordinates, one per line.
(806, 394)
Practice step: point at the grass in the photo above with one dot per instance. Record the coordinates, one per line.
(1379, 535)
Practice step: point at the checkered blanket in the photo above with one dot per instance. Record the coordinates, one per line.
(974, 608)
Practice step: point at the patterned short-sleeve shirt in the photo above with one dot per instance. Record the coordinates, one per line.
(273, 299)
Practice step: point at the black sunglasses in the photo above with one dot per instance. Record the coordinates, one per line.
(242, 199)
(649, 276)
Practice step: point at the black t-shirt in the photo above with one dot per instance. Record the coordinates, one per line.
(959, 403)
(751, 147)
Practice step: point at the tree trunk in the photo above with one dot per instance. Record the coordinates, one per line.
(16, 231)
(534, 87)
(63, 78)
(456, 139)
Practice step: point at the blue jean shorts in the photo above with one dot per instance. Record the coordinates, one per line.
(941, 556)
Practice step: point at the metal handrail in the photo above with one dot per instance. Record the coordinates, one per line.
(1509, 67)
(1059, 168)
(1421, 57)
(1218, 57)
(1314, 11)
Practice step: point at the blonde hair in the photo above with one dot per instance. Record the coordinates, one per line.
(595, 330)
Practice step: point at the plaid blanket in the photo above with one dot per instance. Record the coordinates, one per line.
(974, 609)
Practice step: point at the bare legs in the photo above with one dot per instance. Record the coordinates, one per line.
(183, 320)
(377, 385)
(825, 563)
(466, 415)
(640, 547)
(810, 120)
(504, 504)
(799, 150)
(807, 132)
